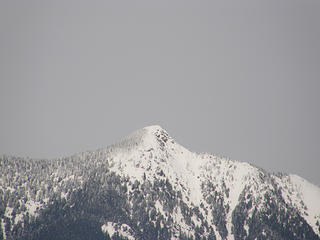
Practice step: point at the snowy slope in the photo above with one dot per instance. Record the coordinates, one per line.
(150, 150)
(304, 195)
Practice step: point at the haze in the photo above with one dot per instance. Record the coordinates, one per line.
(234, 78)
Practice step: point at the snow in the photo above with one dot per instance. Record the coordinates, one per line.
(142, 151)
(124, 230)
(32, 207)
(64, 195)
(236, 185)
(19, 218)
(108, 228)
(8, 212)
(310, 194)
(159, 207)
(179, 220)
(3, 225)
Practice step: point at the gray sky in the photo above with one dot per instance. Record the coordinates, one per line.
(235, 78)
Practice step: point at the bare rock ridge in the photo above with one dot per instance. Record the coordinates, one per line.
(147, 186)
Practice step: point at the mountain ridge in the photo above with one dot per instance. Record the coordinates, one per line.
(181, 194)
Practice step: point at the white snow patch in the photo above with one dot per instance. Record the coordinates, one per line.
(124, 230)
(3, 227)
(32, 207)
(179, 220)
(8, 212)
(19, 218)
(64, 195)
(159, 207)
(108, 228)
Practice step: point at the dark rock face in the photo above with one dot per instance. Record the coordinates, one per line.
(93, 196)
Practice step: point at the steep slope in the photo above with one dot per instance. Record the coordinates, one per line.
(149, 187)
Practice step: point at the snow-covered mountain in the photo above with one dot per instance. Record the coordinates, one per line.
(150, 187)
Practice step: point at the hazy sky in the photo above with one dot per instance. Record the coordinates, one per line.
(236, 78)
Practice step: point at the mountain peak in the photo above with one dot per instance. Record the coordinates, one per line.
(156, 136)
(153, 128)
(148, 137)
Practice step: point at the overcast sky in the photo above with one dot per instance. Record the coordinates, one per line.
(234, 78)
